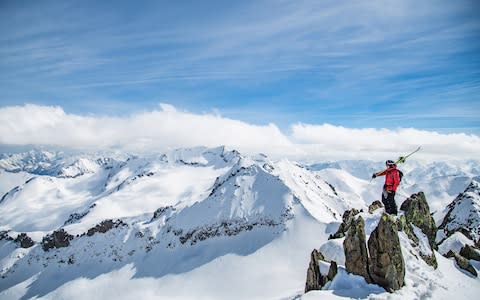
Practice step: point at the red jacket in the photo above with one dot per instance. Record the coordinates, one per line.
(392, 178)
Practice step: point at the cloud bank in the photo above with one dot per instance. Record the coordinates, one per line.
(166, 128)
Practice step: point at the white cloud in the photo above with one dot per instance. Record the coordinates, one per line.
(149, 131)
(376, 144)
(168, 127)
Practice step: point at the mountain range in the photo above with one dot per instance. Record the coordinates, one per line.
(211, 223)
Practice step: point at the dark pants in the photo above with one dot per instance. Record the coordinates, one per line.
(388, 200)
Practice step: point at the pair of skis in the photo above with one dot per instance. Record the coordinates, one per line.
(402, 159)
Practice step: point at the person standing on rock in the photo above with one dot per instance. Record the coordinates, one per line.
(392, 181)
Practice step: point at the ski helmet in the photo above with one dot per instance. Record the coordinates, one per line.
(389, 163)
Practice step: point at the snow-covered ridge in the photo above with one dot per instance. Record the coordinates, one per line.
(185, 198)
(463, 214)
(181, 213)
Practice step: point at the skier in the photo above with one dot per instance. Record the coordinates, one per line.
(392, 180)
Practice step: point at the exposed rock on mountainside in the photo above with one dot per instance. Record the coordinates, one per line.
(356, 255)
(374, 206)
(464, 213)
(315, 278)
(417, 222)
(470, 252)
(105, 226)
(58, 239)
(348, 217)
(383, 262)
(386, 265)
(24, 240)
(463, 263)
(4, 236)
(417, 212)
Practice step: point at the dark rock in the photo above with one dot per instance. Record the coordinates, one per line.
(105, 226)
(71, 259)
(332, 272)
(347, 219)
(406, 227)
(228, 228)
(374, 206)
(354, 246)
(162, 211)
(58, 239)
(386, 267)
(313, 273)
(315, 279)
(4, 235)
(75, 217)
(470, 252)
(24, 240)
(417, 212)
(462, 263)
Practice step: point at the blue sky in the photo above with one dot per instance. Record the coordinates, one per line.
(358, 64)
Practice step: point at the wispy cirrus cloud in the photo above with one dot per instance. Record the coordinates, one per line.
(331, 58)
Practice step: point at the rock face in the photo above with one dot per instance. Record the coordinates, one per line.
(58, 239)
(4, 236)
(463, 263)
(315, 279)
(24, 240)
(374, 206)
(383, 263)
(417, 212)
(105, 226)
(354, 246)
(386, 267)
(470, 252)
(347, 219)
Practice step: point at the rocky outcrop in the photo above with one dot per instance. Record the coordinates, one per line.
(419, 225)
(227, 228)
(464, 214)
(105, 226)
(462, 263)
(383, 263)
(347, 219)
(386, 264)
(162, 211)
(58, 239)
(470, 252)
(417, 212)
(315, 279)
(24, 240)
(4, 236)
(354, 246)
(374, 206)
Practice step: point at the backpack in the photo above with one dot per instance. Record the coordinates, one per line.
(400, 174)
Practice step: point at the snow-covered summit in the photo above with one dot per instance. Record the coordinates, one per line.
(463, 214)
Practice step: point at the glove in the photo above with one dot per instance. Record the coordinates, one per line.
(374, 176)
(401, 159)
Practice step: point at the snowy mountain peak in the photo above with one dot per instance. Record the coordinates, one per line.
(464, 213)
